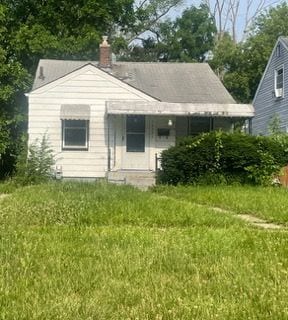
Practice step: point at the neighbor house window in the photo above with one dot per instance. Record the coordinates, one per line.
(75, 134)
(279, 82)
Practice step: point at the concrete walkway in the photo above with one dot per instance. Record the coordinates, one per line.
(252, 220)
(256, 222)
(260, 222)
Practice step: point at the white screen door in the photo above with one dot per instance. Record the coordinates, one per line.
(135, 148)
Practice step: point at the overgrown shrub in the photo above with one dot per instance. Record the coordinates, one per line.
(225, 158)
(34, 163)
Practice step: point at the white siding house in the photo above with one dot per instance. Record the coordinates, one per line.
(86, 87)
(102, 120)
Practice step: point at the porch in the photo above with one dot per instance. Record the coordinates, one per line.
(137, 131)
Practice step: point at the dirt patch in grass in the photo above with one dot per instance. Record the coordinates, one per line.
(3, 195)
(257, 222)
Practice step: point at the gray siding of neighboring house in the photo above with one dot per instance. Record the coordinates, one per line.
(265, 103)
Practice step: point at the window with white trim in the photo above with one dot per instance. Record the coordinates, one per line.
(75, 134)
(279, 82)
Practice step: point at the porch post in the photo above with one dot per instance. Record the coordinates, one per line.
(211, 124)
(250, 126)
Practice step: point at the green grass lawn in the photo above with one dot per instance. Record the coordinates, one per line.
(98, 251)
(270, 204)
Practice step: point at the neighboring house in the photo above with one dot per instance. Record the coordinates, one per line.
(110, 120)
(271, 98)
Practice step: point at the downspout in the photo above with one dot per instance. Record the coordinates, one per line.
(108, 144)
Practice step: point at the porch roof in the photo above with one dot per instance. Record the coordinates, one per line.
(231, 110)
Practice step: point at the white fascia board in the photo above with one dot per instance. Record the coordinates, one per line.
(181, 109)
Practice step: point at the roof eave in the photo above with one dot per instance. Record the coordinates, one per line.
(181, 109)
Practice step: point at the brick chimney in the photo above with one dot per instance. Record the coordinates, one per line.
(105, 55)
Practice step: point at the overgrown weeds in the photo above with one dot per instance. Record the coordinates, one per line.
(35, 163)
(99, 251)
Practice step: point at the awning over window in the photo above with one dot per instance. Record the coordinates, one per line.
(75, 112)
(181, 109)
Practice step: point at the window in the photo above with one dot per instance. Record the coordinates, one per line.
(135, 133)
(279, 81)
(200, 124)
(75, 134)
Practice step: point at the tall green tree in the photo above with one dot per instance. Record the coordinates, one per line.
(195, 32)
(186, 39)
(68, 29)
(14, 80)
(241, 65)
(147, 15)
(228, 63)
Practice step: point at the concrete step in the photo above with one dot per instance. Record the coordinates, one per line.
(141, 179)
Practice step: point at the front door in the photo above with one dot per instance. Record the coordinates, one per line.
(135, 148)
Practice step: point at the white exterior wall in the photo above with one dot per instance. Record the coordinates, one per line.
(156, 144)
(164, 142)
(89, 86)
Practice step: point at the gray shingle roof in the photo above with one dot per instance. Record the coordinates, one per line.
(168, 82)
(55, 69)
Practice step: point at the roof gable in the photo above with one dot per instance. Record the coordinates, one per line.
(49, 70)
(280, 40)
(96, 80)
